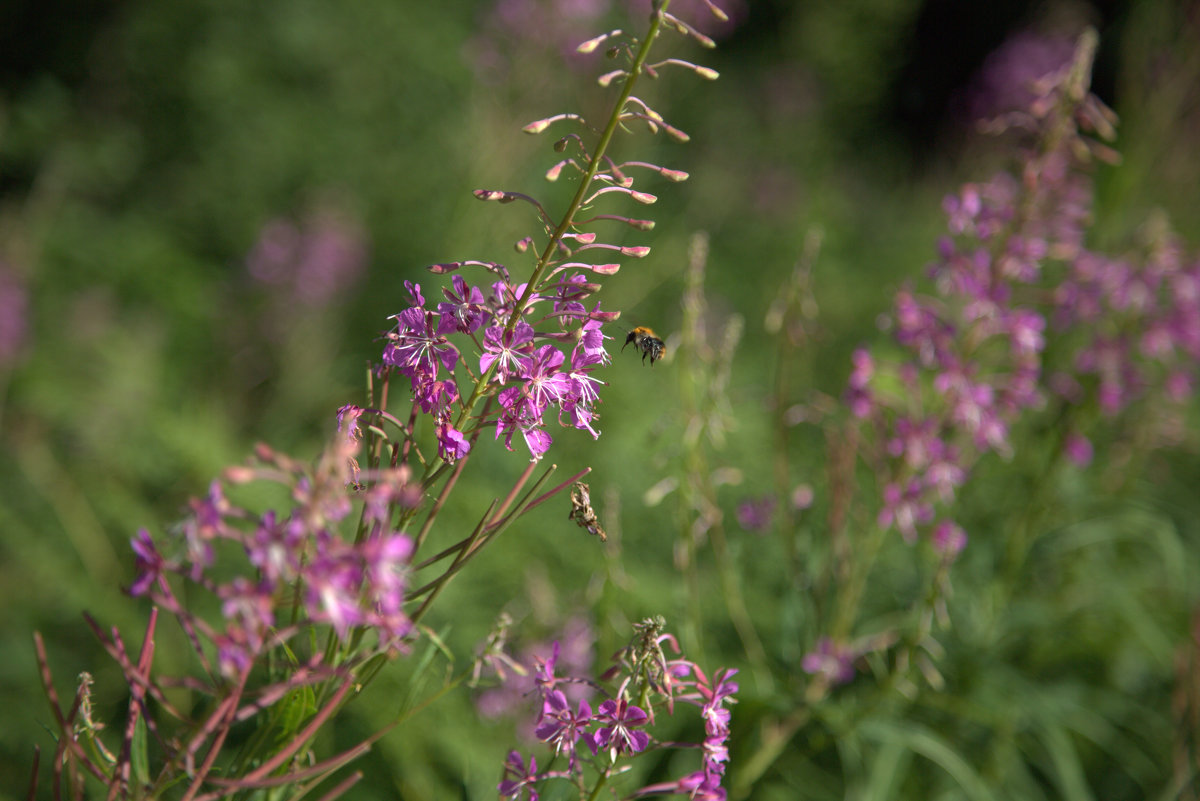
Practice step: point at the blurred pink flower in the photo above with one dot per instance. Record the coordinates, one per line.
(312, 261)
(14, 310)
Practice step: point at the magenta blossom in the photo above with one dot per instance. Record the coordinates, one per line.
(148, 563)
(830, 660)
(545, 384)
(519, 415)
(518, 780)
(452, 445)
(463, 311)
(509, 350)
(560, 726)
(621, 735)
(415, 347)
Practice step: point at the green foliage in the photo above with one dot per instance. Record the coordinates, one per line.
(131, 200)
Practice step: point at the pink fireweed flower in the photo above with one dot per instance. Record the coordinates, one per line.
(716, 754)
(698, 786)
(274, 548)
(858, 392)
(315, 259)
(621, 735)
(434, 397)
(202, 528)
(393, 486)
(148, 563)
(452, 445)
(573, 654)
(1012, 272)
(914, 440)
(347, 422)
(832, 660)
(250, 608)
(334, 580)
(582, 387)
(504, 298)
(518, 780)
(385, 573)
(351, 585)
(1027, 331)
(945, 472)
(905, 508)
(320, 508)
(543, 675)
(560, 726)
(591, 339)
(209, 512)
(1022, 259)
(716, 717)
(755, 513)
(545, 384)
(519, 415)
(962, 209)
(949, 539)
(703, 787)
(973, 407)
(234, 656)
(569, 295)
(920, 329)
(1078, 449)
(717, 693)
(509, 350)
(415, 348)
(463, 311)
(581, 394)
(415, 298)
(578, 416)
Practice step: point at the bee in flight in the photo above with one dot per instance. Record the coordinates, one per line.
(647, 342)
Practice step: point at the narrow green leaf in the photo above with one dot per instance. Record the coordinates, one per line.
(924, 742)
(138, 756)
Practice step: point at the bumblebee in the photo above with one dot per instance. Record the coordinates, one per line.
(647, 342)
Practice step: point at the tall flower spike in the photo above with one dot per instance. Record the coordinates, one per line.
(520, 375)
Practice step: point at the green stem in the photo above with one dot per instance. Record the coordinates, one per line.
(568, 218)
(597, 157)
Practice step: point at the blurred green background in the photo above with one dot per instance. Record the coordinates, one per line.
(153, 154)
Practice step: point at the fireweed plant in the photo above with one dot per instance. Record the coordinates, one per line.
(1026, 321)
(598, 745)
(291, 611)
(601, 744)
(1027, 329)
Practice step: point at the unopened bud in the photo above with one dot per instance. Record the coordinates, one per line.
(608, 77)
(591, 44)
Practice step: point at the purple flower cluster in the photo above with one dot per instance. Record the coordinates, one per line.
(1137, 325)
(313, 261)
(711, 696)
(527, 379)
(537, 343)
(617, 728)
(276, 558)
(1017, 293)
